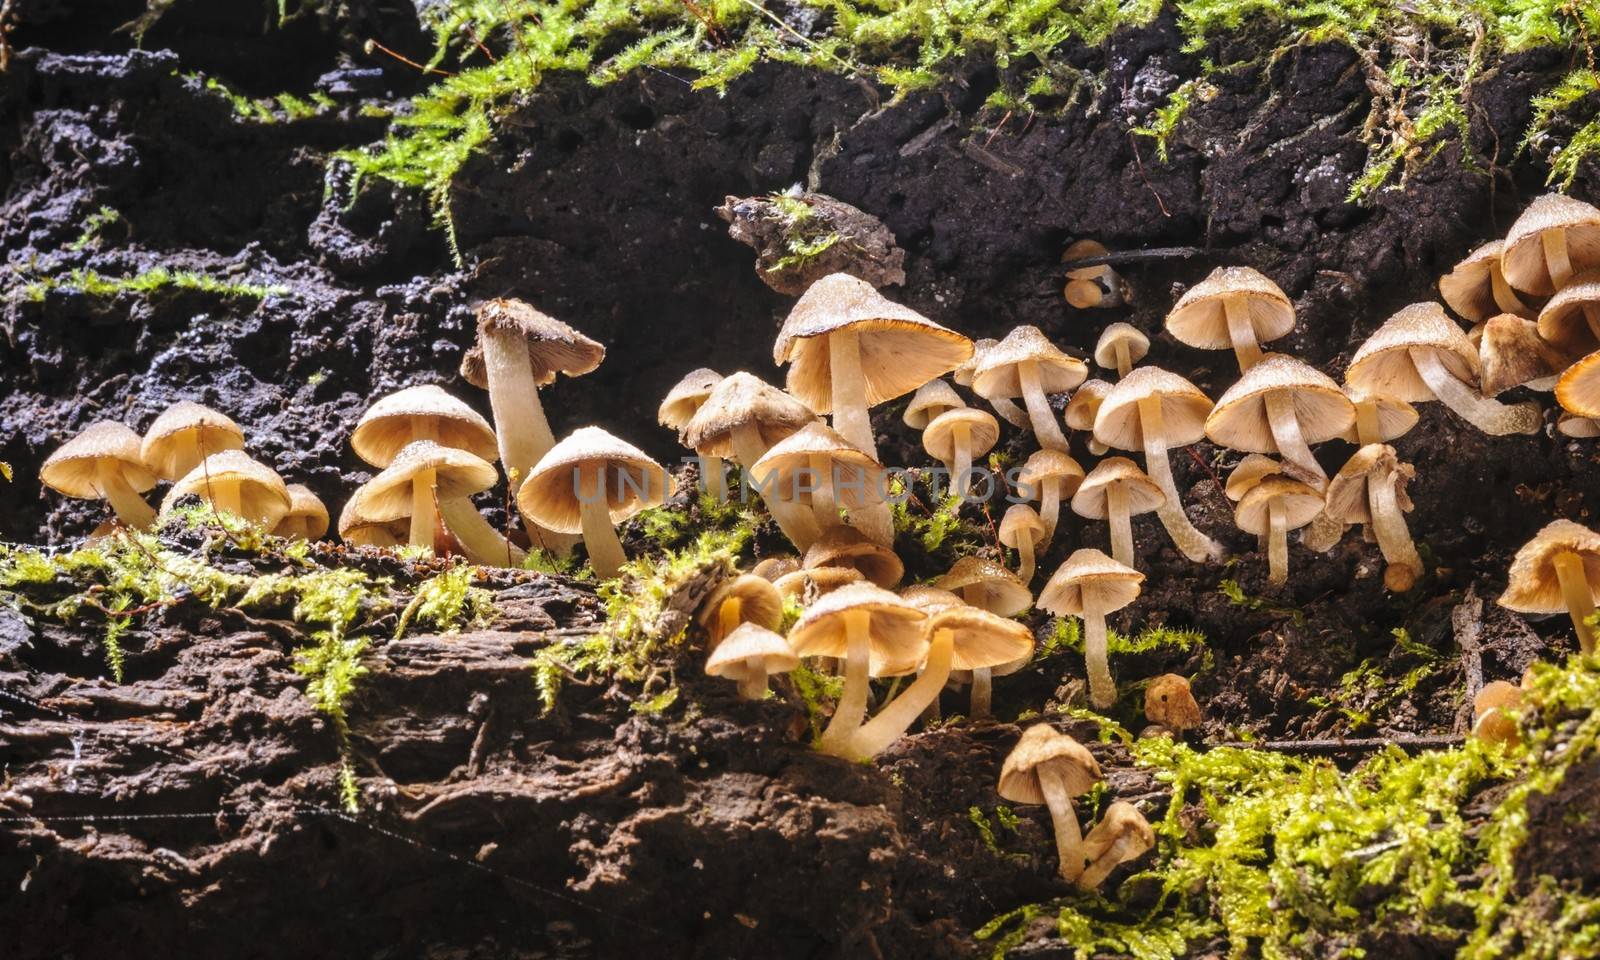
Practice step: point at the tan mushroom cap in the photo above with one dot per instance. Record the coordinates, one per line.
(1522, 260)
(1184, 408)
(686, 397)
(1382, 365)
(930, 400)
(900, 348)
(1200, 320)
(1123, 823)
(997, 589)
(164, 443)
(1347, 491)
(930, 599)
(1395, 417)
(1512, 353)
(1083, 250)
(1571, 425)
(1169, 702)
(962, 375)
(1093, 498)
(895, 630)
(390, 424)
(1301, 504)
(1563, 323)
(1020, 521)
(1090, 571)
(1105, 349)
(1533, 586)
(307, 508)
(1042, 744)
(856, 475)
(362, 531)
(1047, 464)
(1240, 420)
(750, 648)
(1251, 470)
(74, 468)
(982, 639)
(1468, 288)
(457, 474)
(759, 602)
(262, 493)
(772, 568)
(1491, 718)
(633, 481)
(1578, 389)
(742, 399)
(996, 375)
(939, 439)
(843, 546)
(1085, 403)
(820, 580)
(553, 346)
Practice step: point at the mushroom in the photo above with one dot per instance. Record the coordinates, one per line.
(774, 567)
(479, 540)
(1116, 490)
(1379, 419)
(420, 479)
(1476, 289)
(1494, 713)
(1586, 428)
(1419, 354)
(1169, 703)
(930, 400)
(1249, 472)
(420, 413)
(808, 585)
(588, 483)
(749, 655)
(1026, 364)
(682, 402)
(1571, 320)
(1558, 570)
(1556, 236)
(183, 435)
(1051, 768)
(1097, 286)
(863, 624)
(1081, 410)
(821, 466)
(103, 463)
(848, 547)
(1578, 388)
(1274, 506)
(1121, 836)
(1233, 307)
(1121, 345)
(1022, 530)
(1049, 476)
(234, 483)
(956, 437)
(365, 532)
(1153, 410)
(1005, 409)
(743, 599)
(988, 586)
(1282, 405)
(850, 349)
(1512, 354)
(1090, 585)
(307, 518)
(1371, 488)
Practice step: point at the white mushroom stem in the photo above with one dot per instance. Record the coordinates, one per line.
(1292, 446)
(1504, 297)
(754, 684)
(791, 516)
(1580, 601)
(901, 712)
(422, 509)
(1242, 332)
(1026, 560)
(982, 692)
(1049, 509)
(1193, 544)
(1096, 873)
(1124, 359)
(852, 706)
(1490, 416)
(1121, 523)
(1555, 256)
(1389, 526)
(823, 505)
(961, 467)
(1277, 544)
(852, 422)
(188, 455)
(482, 543)
(1010, 412)
(519, 418)
(599, 536)
(1069, 837)
(1040, 416)
(129, 507)
(714, 477)
(1096, 658)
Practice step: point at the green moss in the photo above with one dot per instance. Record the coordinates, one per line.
(1236, 596)
(985, 831)
(1164, 122)
(818, 692)
(1066, 633)
(935, 529)
(98, 221)
(159, 280)
(447, 602)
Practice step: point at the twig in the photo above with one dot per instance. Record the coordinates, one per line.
(1466, 621)
(375, 45)
(1133, 256)
(1134, 143)
(1322, 747)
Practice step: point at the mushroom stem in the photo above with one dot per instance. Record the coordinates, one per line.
(519, 419)
(1049, 510)
(126, 503)
(1096, 660)
(1292, 446)
(982, 692)
(728, 619)
(1277, 544)
(823, 504)
(1242, 332)
(1580, 601)
(1040, 416)
(901, 712)
(1323, 534)
(962, 465)
(852, 422)
(1026, 561)
(482, 543)
(714, 476)
(1555, 256)
(791, 516)
(1389, 527)
(1124, 359)
(1492, 417)
(422, 509)
(852, 706)
(1010, 412)
(754, 684)
(1367, 430)
(599, 536)
(1193, 544)
(1504, 297)
(1121, 522)
(1096, 873)
(1069, 837)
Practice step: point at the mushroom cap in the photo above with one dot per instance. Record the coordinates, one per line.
(357, 529)
(982, 639)
(1020, 521)
(1122, 832)
(1571, 425)
(553, 347)
(390, 424)
(1491, 719)
(998, 589)
(74, 468)
(1083, 250)
(1105, 349)
(856, 475)
(1562, 321)
(939, 439)
(1240, 420)
(824, 580)
(750, 647)
(843, 546)
(1200, 319)
(1511, 353)
(213, 432)
(1169, 702)
(1533, 586)
(1042, 744)
(1578, 389)
(1046, 464)
(1347, 491)
(686, 397)
(774, 567)
(997, 376)
(1250, 471)
(457, 474)
(1092, 499)
(930, 400)
(1382, 366)
(1395, 417)
(1468, 287)
(1085, 403)
(895, 626)
(759, 601)
(1522, 259)
(962, 375)
(1090, 575)
(307, 506)
(633, 481)
(1301, 504)
(900, 348)
(741, 399)
(929, 598)
(1184, 408)
(1496, 695)
(262, 494)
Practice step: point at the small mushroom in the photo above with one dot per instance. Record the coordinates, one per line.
(1091, 585)
(808, 585)
(988, 586)
(103, 463)
(421, 413)
(1555, 237)
(816, 464)
(1122, 836)
(1233, 307)
(956, 437)
(1512, 354)
(1494, 713)
(1005, 409)
(1584, 428)
(1097, 286)
(848, 547)
(421, 478)
(1026, 364)
(1379, 419)
(1051, 768)
(1578, 388)
(1049, 476)
(749, 655)
(1250, 471)
(1476, 289)
(1371, 488)
(1571, 320)
(183, 435)
(365, 532)
(1081, 410)
(1121, 345)
(930, 400)
(307, 518)
(1169, 702)
(1116, 491)
(1282, 405)
(588, 483)
(234, 483)
(742, 599)
(1558, 570)
(1273, 507)
(682, 402)
(1022, 530)
(772, 568)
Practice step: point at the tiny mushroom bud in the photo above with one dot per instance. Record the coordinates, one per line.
(588, 483)
(956, 437)
(1476, 289)
(682, 402)
(1168, 701)
(1233, 307)
(234, 483)
(1251, 470)
(103, 463)
(749, 655)
(183, 435)
(1121, 836)
(1121, 345)
(743, 599)
(1282, 405)
(1051, 768)
(1273, 507)
(1512, 354)
(1493, 711)
(1026, 364)
(307, 518)
(420, 479)
(1116, 491)
(817, 464)
(1081, 410)
(1049, 476)
(1022, 530)
(1571, 320)
(849, 547)
(354, 528)
(1558, 570)
(1555, 237)
(1097, 286)
(962, 375)
(1371, 488)
(1091, 585)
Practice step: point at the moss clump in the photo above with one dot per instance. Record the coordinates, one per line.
(447, 602)
(283, 108)
(93, 227)
(159, 280)
(1066, 633)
